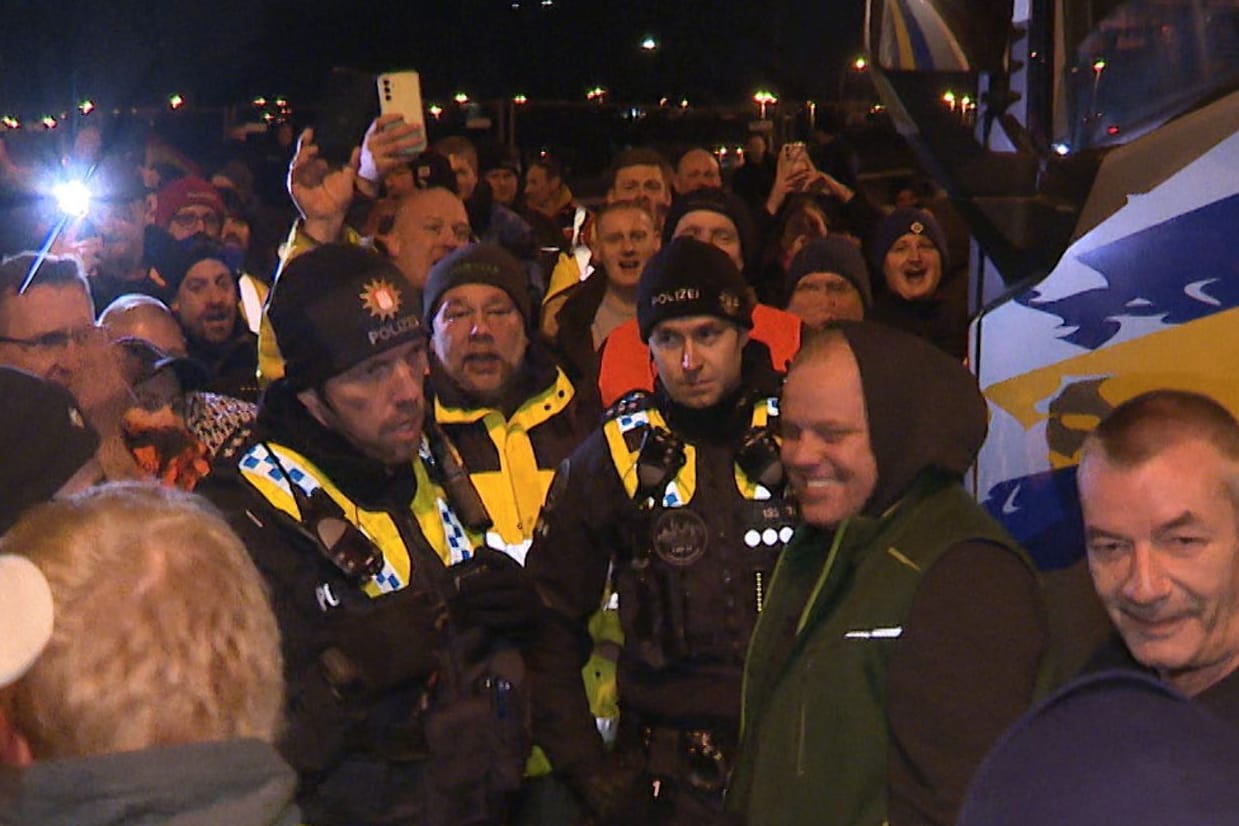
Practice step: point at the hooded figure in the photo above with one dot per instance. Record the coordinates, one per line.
(903, 630)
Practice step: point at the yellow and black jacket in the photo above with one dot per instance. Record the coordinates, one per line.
(512, 458)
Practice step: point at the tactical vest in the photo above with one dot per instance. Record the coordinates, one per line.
(702, 549)
(272, 468)
(476, 729)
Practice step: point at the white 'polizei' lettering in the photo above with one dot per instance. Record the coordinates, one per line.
(672, 296)
(395, 328)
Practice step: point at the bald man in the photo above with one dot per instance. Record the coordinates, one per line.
(145, 317)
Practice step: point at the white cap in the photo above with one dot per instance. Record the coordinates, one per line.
(25, 616)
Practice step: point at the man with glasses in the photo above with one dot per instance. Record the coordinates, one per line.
(188, 206)
(49, 330)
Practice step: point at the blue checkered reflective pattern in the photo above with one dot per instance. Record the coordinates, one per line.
(458, 545)
(671, 496)
(631, 421)
(387, 580)
(260, 461)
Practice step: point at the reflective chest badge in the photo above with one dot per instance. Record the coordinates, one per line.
(680, 537)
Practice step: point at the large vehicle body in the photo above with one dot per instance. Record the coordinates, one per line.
(1098, 170)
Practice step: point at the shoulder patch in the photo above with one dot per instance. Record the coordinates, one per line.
(634, 401)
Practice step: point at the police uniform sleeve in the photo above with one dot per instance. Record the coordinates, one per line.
(574, 543)
(964, 670)
(321, 720)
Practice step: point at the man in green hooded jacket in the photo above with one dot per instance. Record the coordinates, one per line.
(903, 629)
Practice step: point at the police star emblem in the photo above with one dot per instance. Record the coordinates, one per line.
(729, 302)
(917, 228)
(380, 299)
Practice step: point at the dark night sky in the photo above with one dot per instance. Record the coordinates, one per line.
(124, 52)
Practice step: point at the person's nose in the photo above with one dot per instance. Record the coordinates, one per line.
(479, 325)
(1146, 580)
(407, 382)
(689, 359)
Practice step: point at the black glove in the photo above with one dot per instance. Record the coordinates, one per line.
(389, 640)
(494, 592)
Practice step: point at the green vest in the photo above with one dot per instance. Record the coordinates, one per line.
(814, 726)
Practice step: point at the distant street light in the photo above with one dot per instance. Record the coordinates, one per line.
(860, 64)
(175, 101)
(598, 94)
(764, 98)
(649, 44)
(86, 107)
(435, 110)
(520, 100)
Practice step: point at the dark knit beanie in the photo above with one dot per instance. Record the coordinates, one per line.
(722, 202)
(899, 223)
(831, 254)
(336, 306)
(44, 440)
(688, 277)
(477, 264)
(173, 259)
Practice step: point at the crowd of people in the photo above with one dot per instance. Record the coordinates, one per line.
(471, 503)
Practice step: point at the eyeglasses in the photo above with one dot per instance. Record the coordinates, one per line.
(186, 220)
(460, 232)
(57, 341)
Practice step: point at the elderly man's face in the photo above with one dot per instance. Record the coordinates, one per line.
(479, 339)
(47, 331)
(1163, 549)
(826, 450)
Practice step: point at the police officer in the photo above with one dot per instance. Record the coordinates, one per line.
(404, 690)
(678, 499)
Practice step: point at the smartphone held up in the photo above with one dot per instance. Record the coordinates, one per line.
(400, 93)
(351, 101)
